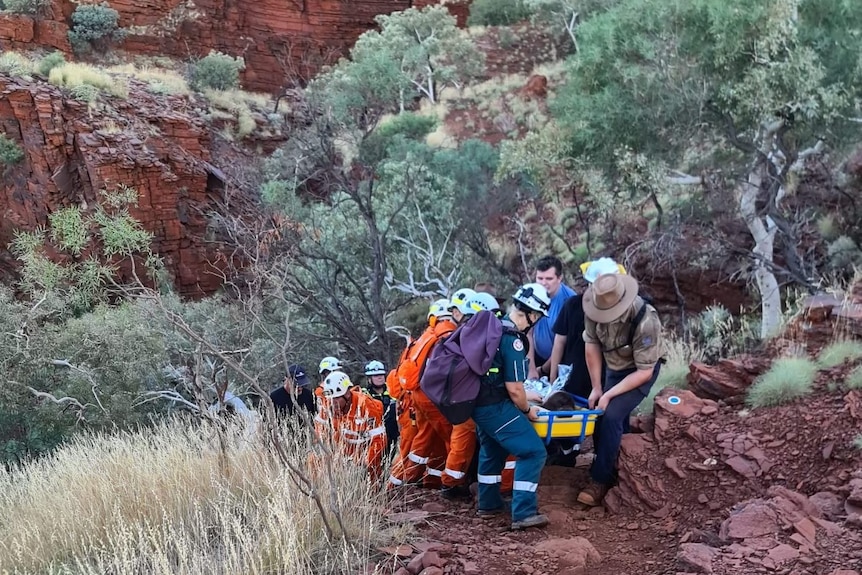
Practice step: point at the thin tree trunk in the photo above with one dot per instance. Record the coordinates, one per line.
(763, 232)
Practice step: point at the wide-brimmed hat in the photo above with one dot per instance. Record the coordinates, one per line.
(609, 297)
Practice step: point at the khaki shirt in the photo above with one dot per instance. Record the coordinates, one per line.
(647, 348)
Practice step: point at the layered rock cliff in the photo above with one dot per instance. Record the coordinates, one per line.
(155, 144)
(281, 40)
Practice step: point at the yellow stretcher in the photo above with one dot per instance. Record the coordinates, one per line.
(575, 425)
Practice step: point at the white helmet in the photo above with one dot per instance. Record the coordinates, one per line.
(533, 297)
(440, 308)
(599, 267)
(483, 301)
(336, 384)
(460, 299)
(329, 363)
(375, 367)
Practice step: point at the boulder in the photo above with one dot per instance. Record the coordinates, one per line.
(636, 487)
(754, 519)
(574, 554)
(696, 557)
(536, 88)
(728, 379)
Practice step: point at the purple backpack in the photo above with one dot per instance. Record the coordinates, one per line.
(453, 373)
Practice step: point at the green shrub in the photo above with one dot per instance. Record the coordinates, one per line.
(497, 12)
(94, 27)
(216, 71)
(51, 61)
(31, 7)
(407, 126)
(854, 379)
(10, 152)
(786, 380)
(721, 334)
(828, 227)
(843, 254)
(857, 443)
(836, 353)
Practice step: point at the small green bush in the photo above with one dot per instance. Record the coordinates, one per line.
(838, 352)
(31, 7)
(10, 152)
(843, 254)
(216, 71)
(50, 62)
(786, 380)
(95, 27)
(857, 443)
(407, 126)
(828, 227)
(497, 12)
(854, 379)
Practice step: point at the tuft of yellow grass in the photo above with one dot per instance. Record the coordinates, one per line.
(160, 80)
(238, 100)
(74, 75)
(170, 501)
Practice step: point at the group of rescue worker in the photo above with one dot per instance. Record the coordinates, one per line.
(609, 335)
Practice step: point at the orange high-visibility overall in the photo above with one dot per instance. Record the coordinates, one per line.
(360, 433)
(431, 444)
(406, 425)
(462, 446)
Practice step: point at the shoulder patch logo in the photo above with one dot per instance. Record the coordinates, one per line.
(518, 345)
(647, 341)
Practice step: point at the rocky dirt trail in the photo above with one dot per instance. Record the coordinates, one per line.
(706, 486)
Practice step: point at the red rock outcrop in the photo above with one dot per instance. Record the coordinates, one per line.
(727, 380)
(147, 142)
(281, 40)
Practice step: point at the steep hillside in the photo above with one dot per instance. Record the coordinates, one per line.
(279, 39)
(157, 144)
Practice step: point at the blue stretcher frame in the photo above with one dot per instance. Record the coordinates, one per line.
(585, 414)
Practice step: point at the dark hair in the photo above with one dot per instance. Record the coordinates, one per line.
(549, 262)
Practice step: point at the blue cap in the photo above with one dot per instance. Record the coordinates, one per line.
(297, 372)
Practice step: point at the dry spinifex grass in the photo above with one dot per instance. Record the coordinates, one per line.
(168, 500)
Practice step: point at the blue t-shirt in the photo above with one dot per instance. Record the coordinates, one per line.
(543, 331)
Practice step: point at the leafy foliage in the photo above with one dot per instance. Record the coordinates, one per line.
(31, 7)
(216, 71)
(10, 152)
(51, 61)
(94, 27)
(358, 177)
(854, 379)
(423, 48)
(82, 281)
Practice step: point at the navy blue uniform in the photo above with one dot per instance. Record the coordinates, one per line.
(503, 429)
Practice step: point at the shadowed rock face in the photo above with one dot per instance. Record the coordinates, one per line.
(279, 39)
(147, 142)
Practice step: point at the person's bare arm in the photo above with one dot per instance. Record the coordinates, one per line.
(532, 368)
(556, 356)
(593, 353)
